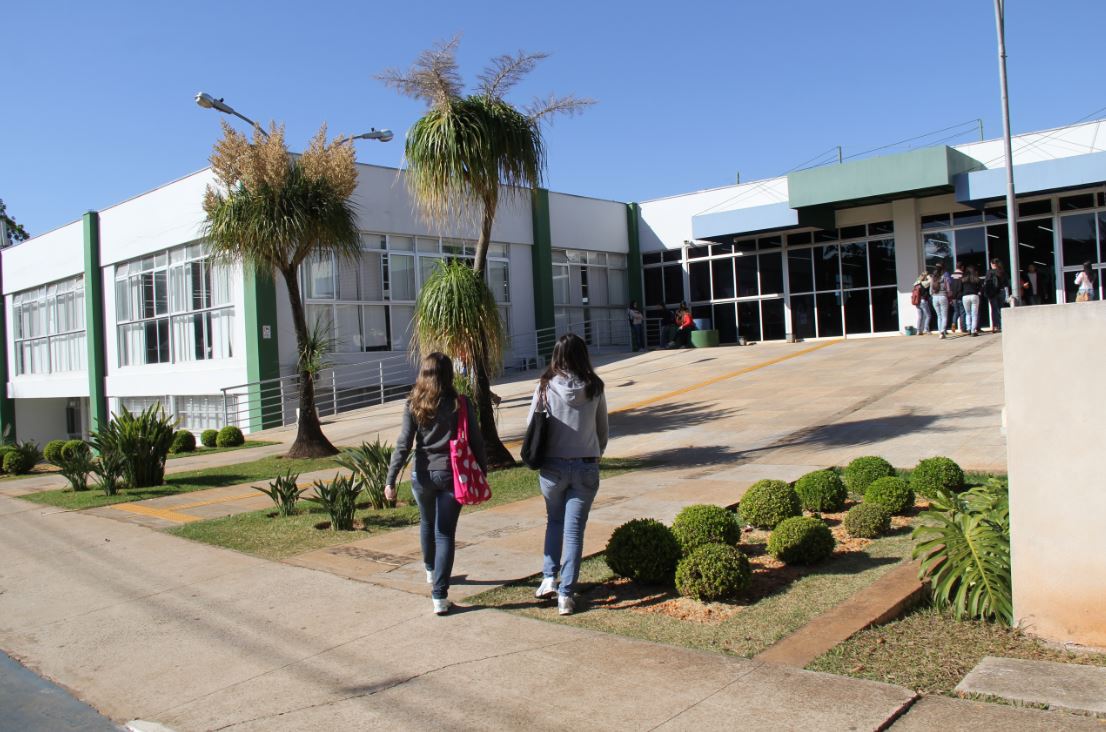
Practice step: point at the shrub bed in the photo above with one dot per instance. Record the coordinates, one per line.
(643, 550)
(183, 441)
(17, 462)
(860, 473)
(229, 436)
(208, 438)
(821, 490)
(702, 524)
(768, 502)
(893, 493)
(713, 572)
(868, 520)
(801, 540)
(52, 452)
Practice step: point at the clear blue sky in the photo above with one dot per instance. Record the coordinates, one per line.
(99, 106)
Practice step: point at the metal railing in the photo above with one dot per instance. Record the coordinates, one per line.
(378, 379)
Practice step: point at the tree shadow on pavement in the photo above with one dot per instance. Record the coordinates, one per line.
(665, 417)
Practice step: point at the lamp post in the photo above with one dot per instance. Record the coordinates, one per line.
(207, 101)
(1011, 207)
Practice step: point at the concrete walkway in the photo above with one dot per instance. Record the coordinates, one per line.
(146, 625)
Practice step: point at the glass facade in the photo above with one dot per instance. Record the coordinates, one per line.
(590, 294)
(174, 306)
(196, 413)
(812, 284)
(368, 304)
(49, 328)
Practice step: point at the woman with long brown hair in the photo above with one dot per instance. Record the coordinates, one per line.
(572, 394)
(430, 421)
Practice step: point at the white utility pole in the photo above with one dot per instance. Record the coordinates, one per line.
(1011, 206)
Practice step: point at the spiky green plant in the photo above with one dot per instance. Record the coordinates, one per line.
(964, 544)
(284, 492)
(469, 152)
(141, 440)
(271, 212)
(339, 498)
(74, 461)
(108, 468)
(369, 464)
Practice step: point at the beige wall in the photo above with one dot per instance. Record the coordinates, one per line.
(1054, 357)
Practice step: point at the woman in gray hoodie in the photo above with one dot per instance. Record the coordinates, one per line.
(572, 393)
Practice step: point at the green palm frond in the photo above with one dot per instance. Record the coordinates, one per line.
(964, 546)
(456, 314)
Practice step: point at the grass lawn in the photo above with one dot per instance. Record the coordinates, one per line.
(930, 651)
(265, 534)
(201, 450)
(780, 599)
(184, 482)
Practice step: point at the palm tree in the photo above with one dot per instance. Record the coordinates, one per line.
(273, 211)
(463, 155)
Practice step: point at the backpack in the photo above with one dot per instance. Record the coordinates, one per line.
(956, 288)
(916, 295)
(990, 285)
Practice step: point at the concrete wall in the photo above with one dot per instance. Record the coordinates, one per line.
(587, 223)
(1052, 362)
(40, 420)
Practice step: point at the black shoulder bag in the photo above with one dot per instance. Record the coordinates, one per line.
(533, 444)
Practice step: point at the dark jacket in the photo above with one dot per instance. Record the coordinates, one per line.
(970, 286)
(432, 441)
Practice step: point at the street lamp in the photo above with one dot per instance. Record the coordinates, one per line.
(207, 101)
(1011, 206)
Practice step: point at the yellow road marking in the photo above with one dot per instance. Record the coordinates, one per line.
(722, 377)
(214, 501)
(161, 513)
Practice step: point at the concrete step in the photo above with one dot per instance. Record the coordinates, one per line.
(1068, 686)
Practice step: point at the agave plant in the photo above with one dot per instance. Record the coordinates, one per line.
(369, 464)
(142, 440)
(339, 498)
(284, 492)
(108, 469)
(964, 544)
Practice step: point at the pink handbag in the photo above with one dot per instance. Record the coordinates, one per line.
(470, 485)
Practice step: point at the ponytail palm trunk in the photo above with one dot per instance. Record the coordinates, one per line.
(457, 315)
(273, 211)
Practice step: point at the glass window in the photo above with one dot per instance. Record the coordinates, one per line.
(936, 221)
(773, 324)
(617, 290)
(938, 248)
(320, 277)
(699, 280)
(826, 275)
(771, 273)
(722, 276)
(1034, 208)
(498, 281)
(881, 227)
(1078, 237)
(770, 242)
(971, 249)
(429, 246)
(828, 305)
(560, 283)
(748, 320)
(401, 276)
(803, 237)
(885, 310)
(800, 270)
(853, 232)
(347, 329)
(746, 267)
(721, 249)
(401, 326)
(725, 322)
(654, 287)
(854, 265)
(650, 258)
(1083, 200)
(881, 262)
(374, 320)
(802, 316)
(671, 255)
(401, 243)
(858, 317)
(967, 217)
(48, 328)
(673, 284)
(427, 265)
(697, 252)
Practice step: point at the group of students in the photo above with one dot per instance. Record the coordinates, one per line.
(958, 297)
(573, 396)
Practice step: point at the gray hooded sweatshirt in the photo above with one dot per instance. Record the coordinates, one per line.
(577, 425)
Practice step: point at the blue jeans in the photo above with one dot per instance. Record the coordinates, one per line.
(941, 306)
(959, 319)
(438, 512)
(971, 305)
(569, 487)
(637, 336)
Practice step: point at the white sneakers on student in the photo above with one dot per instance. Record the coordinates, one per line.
(565, 605)
(546, 589)
(441, 607)
(429, 576)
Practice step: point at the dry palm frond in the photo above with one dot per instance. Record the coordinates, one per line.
(333, 162)
(503, 72)
(434, 77)
(570, 104)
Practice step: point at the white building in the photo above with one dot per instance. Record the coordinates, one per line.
(123, 308)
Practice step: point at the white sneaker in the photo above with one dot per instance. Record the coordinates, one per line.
(429, 576)
(546, 589)
(565, 604)
(441, 607)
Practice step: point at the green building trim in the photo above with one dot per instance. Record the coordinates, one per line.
(98, 414)
(633, 237)
(262, 347)
(7, 404)
(542, 260)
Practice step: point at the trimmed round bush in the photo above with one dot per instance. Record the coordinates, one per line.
(801, 540)
(767, 502)
(713, 572)
(860, 473)
(229, 436)
(892, 493)
(17, 463)
(702, 524)
(183, 441)
(821, 490)
(643, 550)
(936, 474)
(4, 450)
(868, 520)
(209, 437)
(52, 452)
(74, 447)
